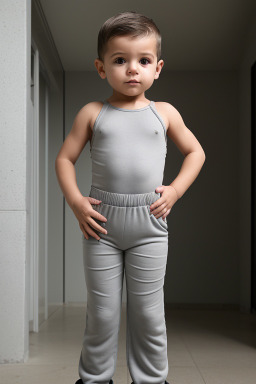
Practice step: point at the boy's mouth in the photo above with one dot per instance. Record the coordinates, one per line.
(132, 81)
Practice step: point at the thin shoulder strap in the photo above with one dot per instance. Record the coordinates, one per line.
(153, 108)
(96, 123)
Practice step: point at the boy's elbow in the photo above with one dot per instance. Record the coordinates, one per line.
(59, 159)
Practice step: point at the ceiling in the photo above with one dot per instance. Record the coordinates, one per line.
(196, 34)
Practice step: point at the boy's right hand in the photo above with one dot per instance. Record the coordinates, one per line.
(84, 213)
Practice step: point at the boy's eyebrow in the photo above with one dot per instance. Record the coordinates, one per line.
(147, 54)
(123, 53)
(117, 53)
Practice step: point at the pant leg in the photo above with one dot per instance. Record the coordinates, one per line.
(145, 267)
(103, 266)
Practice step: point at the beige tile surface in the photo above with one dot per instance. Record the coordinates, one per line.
(204, 347)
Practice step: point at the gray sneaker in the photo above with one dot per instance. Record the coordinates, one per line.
(80, 381)
(165, 382)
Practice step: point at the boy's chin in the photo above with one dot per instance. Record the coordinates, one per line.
(133, 91)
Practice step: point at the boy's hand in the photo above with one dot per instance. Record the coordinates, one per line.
(164, 204)
(85, 213)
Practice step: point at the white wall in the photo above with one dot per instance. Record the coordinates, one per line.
(42, 259)
(247, 61)
(14, 96)
(54, 72)
(203, 259)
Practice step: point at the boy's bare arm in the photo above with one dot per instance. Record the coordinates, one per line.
(194, 154)
(65, 170)
(69, 153)
(188, 145)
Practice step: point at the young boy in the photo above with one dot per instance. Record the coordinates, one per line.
(123, 221)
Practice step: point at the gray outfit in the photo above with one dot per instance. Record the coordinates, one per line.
(128, 149)
(136, 243)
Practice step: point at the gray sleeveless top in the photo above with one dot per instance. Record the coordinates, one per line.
(128, 149)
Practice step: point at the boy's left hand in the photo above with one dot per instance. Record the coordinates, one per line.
(164, 204)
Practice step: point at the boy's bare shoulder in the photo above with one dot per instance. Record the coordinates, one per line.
(168, 113)
(164, 104)
(91, 111)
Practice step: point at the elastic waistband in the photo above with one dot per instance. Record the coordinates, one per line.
(124, 200)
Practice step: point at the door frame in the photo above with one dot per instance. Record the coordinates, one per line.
(38, 68)
(253, 188)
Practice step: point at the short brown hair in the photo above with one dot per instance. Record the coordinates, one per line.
(127, 23)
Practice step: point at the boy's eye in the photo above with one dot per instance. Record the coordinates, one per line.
(118, 60)
(148, 61)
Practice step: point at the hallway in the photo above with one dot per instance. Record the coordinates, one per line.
(204, 347)
(48, 75)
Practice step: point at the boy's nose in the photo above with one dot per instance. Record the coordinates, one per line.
(133, 71)
(132, 68)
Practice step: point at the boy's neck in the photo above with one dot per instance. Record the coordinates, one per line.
(130, 101)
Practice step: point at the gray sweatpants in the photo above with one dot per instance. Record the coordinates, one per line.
(137, 243)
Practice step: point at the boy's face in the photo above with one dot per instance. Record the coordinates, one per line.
(128, 58)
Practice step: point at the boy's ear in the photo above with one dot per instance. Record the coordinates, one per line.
(159, 67)
(100, 68)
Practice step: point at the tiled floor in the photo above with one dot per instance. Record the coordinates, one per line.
(204, 346)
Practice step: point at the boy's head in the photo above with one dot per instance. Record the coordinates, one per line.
(130, 24)
(129, 48)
